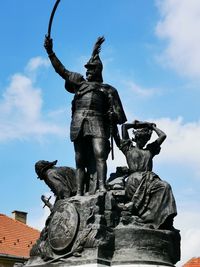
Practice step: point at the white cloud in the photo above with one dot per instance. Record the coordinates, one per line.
(37, 62)
(139, 90)
(179, 26)
(21, 110)
(182, 144)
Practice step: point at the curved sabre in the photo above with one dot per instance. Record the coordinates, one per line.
(51, 18)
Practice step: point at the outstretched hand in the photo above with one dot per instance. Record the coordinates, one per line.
(48, 44)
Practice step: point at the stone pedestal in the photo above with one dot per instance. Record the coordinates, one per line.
(134, 245)
(90, 231)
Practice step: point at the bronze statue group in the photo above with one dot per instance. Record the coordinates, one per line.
(96, 113)
(125, 218)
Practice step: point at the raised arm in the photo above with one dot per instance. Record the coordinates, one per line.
(72, 79)
(125, 128)
(58, 66)
(161, 135)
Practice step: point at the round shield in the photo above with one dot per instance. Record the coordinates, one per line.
(63, 225)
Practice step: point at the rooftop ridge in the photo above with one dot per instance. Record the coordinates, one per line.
(16, 238)
(16, 221)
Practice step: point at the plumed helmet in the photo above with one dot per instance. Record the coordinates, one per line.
(95, 60)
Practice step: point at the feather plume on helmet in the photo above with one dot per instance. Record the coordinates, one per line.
(95, 60)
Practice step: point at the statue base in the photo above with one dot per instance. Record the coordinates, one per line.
(133, 247)
(90, 231)
(139, 246)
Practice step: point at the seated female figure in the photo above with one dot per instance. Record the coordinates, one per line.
(149, 198)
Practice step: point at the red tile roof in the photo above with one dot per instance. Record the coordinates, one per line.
(194, 262)
(16, 238)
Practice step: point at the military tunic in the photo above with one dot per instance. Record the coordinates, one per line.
(91, 106)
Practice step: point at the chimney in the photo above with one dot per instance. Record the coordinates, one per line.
(20, 216)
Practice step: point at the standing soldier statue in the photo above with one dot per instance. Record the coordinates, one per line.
(96, 111)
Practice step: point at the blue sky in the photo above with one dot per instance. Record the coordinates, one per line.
(151, 55)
